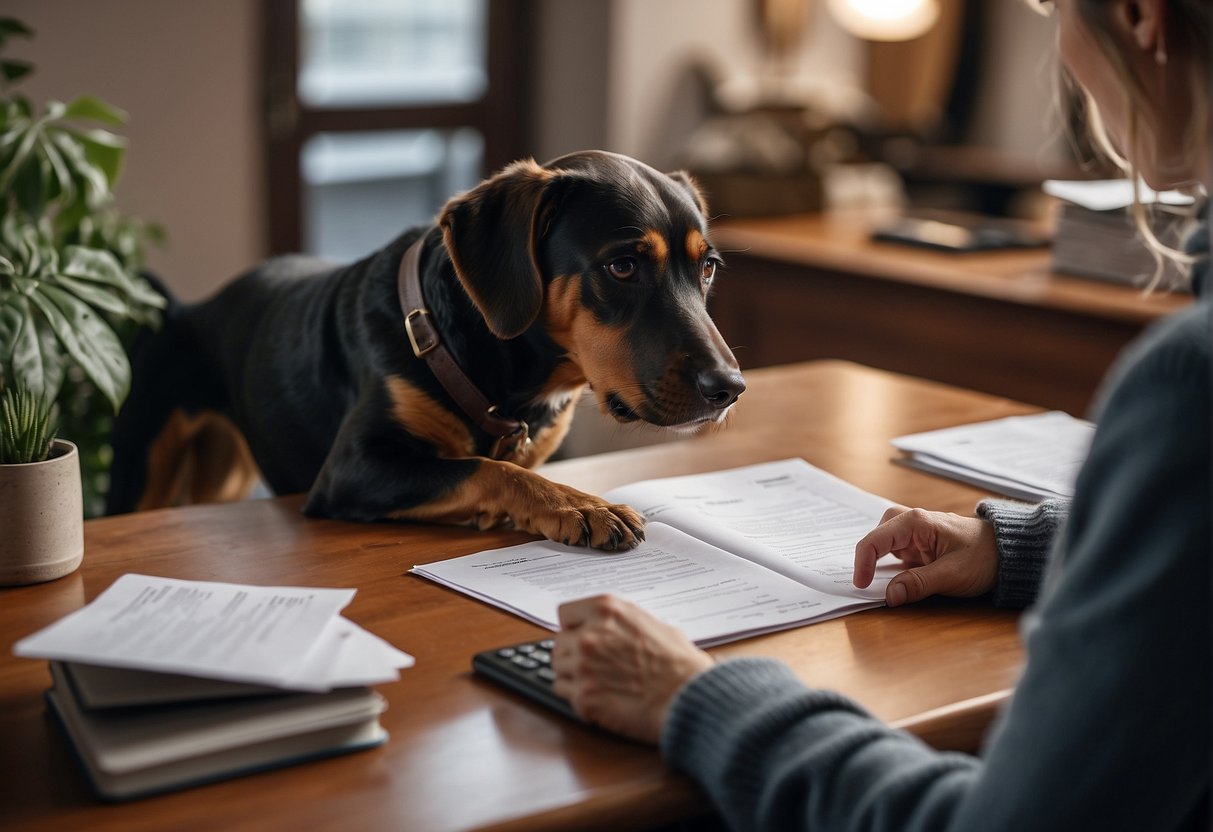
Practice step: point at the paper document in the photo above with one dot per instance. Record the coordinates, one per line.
(788, 516)
(1111, 194)
(756, 549)
(1032, 457)
(289, 637)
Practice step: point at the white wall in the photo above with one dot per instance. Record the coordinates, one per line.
(186, 73)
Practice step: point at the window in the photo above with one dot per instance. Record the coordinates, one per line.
(377, 111)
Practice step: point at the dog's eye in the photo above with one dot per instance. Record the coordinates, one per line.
(709, 270)
(622, 268)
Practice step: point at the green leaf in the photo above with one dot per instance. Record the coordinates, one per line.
(13, 26)
(94, 264)
(62, 174)
(104, 150)
(142, 293)
(14, 165)
(96, 182)
(12, 320)
(6, 266)
(94, 109)
(36, 359)
(15, 70)
(89, 340)
(94, 295)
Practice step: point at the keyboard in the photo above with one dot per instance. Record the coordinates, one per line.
(525, 669)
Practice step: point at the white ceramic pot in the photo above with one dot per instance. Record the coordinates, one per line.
(41, 518)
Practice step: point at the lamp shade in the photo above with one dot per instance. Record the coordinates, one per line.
(885, 19)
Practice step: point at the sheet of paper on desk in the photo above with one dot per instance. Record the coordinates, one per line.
(1033, 457)
(284, 636)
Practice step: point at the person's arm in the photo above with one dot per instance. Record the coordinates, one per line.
(1109, 726)
(1024, 535)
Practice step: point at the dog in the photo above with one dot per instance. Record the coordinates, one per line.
(592, 269)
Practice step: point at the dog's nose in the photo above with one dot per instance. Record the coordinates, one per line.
(719, 388)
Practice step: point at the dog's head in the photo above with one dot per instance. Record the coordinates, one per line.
(611, 258)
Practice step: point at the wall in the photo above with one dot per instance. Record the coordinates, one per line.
(651, 42)
(610, 73)
(1019, 74)
(186, 73)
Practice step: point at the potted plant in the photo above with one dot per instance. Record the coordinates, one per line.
(71, 289)
(41, 511)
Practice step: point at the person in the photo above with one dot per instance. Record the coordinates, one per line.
(1109, 725)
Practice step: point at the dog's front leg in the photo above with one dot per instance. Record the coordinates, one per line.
(365, 480)
(534, 504)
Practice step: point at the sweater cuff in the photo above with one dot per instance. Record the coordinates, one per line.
(744, 697)
(1025, 534)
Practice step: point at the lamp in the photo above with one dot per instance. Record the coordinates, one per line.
(885, 20)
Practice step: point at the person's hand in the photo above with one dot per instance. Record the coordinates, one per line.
(948, 555)
(620, 667)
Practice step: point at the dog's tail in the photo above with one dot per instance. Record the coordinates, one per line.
(172, 445)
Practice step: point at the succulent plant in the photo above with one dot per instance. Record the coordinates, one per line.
(26, 428)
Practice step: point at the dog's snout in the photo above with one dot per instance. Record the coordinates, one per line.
(719, 388)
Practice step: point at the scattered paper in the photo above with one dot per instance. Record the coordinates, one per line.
(290, 637)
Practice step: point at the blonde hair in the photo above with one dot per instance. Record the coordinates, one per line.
(1185, 36)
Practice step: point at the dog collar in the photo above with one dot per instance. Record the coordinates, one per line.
(513, 436)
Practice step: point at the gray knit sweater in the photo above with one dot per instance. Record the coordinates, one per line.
(1109, 727)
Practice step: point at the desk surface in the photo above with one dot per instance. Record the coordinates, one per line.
(840, 241)
(462, 753)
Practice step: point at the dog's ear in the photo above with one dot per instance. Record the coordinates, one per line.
(491, 233)
(686, 181)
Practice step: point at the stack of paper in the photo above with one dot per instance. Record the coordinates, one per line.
(162, 683)
(1095, 236)
(1033, 457)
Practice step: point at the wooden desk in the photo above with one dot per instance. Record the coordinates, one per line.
(814, 286)
(463, 754)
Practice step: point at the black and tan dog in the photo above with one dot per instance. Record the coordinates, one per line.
(424, 381)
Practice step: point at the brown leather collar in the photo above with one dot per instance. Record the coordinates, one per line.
(512, 435)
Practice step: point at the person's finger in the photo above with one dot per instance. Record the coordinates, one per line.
(573, 614)
(895, 534)
(939, 577)
(892, 511)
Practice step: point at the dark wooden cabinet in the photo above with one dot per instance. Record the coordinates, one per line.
(810, 287)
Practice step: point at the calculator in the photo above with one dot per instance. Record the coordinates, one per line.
(526, 669)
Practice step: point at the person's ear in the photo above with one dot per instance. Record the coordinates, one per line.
(1142, 22)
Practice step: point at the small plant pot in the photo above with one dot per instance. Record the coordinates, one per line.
(41, 518)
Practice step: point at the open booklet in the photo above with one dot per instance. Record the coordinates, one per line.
(726, 555)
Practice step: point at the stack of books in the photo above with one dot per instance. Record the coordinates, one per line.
(161, 684)
(1096, 236)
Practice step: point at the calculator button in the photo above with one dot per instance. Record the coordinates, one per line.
(506, 652)
(546, 674)
(542, 656)
(525, 662)
(547, 644)
(525, 648)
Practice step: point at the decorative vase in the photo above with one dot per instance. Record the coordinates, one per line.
(41, 518)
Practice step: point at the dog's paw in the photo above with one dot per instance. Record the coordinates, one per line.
(584, 520)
